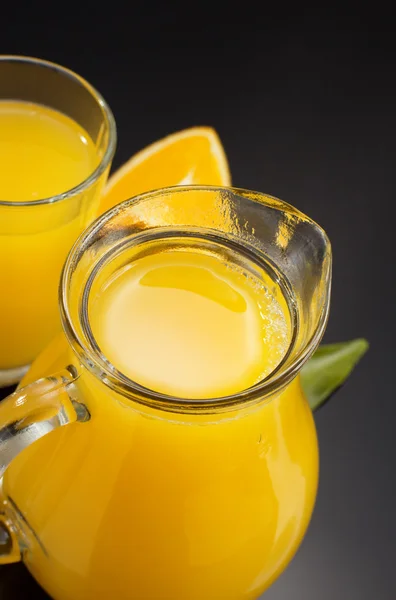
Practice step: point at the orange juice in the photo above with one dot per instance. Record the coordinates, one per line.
(144, 504)
(43, 153)
(202, 330)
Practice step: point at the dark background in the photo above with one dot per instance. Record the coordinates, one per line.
(306, 109)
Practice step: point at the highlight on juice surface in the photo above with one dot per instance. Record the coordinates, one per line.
(56, 145)
(205, 329)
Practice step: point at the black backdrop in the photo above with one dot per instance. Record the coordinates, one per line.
(306, 110)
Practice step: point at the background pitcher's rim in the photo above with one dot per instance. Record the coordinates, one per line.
(110, 122)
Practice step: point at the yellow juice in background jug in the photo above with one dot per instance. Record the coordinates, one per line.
(43, 153)
(144, 504)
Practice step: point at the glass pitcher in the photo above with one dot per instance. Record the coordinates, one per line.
(112, 490)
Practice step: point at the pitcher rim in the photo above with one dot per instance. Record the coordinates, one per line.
(276, 380)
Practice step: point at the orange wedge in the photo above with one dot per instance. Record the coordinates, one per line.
(189, 157)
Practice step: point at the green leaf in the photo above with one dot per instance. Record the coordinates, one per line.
(329, 368)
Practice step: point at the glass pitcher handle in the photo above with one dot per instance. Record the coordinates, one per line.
(27, 415)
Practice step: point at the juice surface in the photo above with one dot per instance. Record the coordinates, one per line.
(42, 153)
(189, 325)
